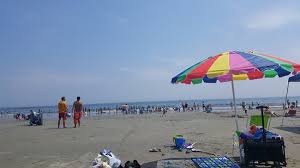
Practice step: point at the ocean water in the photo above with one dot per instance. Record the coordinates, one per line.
(217, 104)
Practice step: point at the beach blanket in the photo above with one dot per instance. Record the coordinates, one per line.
(201, 162)
(212, 162)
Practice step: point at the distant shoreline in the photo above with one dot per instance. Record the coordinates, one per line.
(160, 102)
(93, 113)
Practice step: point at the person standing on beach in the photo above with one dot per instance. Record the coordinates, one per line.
(126, 108)
(186, 106)
(164, 109)
(244, 107)
(62, 111)
(77, 111)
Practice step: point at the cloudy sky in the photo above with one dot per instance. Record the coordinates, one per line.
(118, 51)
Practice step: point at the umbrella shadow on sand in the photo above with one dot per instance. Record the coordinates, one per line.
(295, 130)
(152, 164)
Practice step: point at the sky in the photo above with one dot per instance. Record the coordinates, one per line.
(128, 50)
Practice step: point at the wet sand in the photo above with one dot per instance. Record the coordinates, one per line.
(129, 137)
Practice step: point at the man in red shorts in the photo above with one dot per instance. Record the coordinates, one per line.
(77, 111)
(62, 111)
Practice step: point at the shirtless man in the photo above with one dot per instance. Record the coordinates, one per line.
(77, 111)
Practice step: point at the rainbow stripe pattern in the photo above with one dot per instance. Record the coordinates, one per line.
(236, 65)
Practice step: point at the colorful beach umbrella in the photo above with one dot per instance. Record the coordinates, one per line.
(236, 65)
(295, 78)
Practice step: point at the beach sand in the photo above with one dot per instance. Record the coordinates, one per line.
(129, 137)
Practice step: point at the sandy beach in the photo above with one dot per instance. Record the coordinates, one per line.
(170, 84)
(129, 137)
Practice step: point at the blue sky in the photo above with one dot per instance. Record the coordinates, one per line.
(118, 51)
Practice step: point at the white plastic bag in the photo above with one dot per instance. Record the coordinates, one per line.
(114, 162)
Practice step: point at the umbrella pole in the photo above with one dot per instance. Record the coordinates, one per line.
(234, 103)
(287, 92)
(263, 123)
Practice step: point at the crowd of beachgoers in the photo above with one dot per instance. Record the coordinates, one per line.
(126, 109)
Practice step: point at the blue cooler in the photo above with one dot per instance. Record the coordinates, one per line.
(179, 142)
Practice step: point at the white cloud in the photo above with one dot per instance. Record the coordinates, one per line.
(273, 18)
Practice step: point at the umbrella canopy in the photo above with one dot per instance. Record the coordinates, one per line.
(236, 65)
(295, 78)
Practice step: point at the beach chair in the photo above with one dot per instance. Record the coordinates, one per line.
(256, 120)
(262, 152)
(291, 112)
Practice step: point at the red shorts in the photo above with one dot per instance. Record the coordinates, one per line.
(77, 115)
(62, 115)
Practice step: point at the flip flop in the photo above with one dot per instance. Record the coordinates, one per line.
(155, 150)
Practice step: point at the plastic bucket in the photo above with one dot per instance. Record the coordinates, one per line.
(177, 136)
(179, 142)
